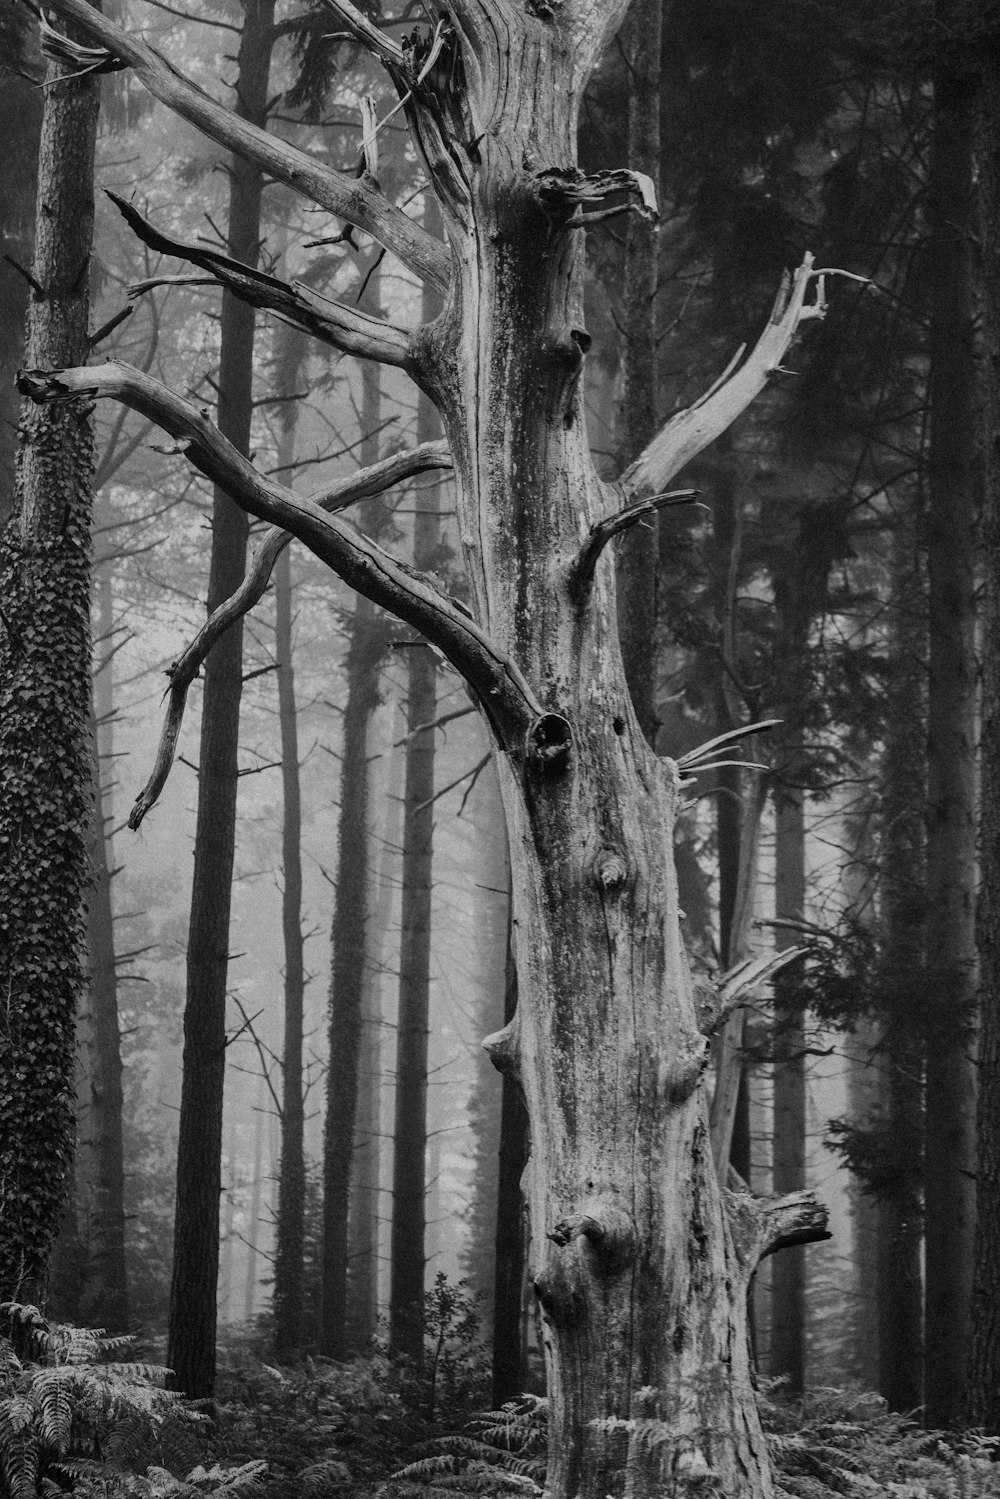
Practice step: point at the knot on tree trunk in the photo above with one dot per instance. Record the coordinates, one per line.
(606, 1227)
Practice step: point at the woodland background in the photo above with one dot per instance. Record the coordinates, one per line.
(829, 577)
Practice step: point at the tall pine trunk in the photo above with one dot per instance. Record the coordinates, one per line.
(983, 1405)
(366, 648)
(901, 965)
(409, 1168)
(363, 1209)
(951, 793)
(44, 698)
(289, 1264)
(638, 550)
(193, 1287)
(100, 1169)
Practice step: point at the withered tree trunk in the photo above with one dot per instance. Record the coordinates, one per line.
(951, 793)
(640, 1261)
(44, 698)
(193, 1287)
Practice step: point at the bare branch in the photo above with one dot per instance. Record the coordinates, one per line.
(762, 1225)
(356, 200)
(369, 481)
(691, 430)
(565, 191)
(518, 722)
(344, 327)
(582, 570)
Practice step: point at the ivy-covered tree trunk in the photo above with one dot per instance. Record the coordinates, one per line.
(194, 1277)
(44, 700)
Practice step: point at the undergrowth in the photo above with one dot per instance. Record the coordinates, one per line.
(833, 1445)
(76, 1418)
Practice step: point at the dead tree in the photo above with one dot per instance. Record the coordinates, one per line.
(640, 1259)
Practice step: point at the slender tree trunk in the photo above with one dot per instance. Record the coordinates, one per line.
(44, 697)
(362, 1280)
(191, 1332)
(100, 1173)
(289, 1267)
(902, 876)
(490, 935)
(253, 1219)
(951, 797)
(861, 1047)
(983, 1405)
(409, 1215)
(788, 1270)
(369, 638)
(347, 983)
(512, 1228)
(20, 128)
(637, 553)
(289, 1248)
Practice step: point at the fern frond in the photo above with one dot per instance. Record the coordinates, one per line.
(52, 1390)
(20, 1465)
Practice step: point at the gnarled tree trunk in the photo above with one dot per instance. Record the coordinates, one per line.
(640, 1260)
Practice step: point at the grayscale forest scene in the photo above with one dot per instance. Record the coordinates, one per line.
(499, 749)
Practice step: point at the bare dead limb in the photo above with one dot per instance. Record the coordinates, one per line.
(582, 571)
(762, 1225)
(505, 696)
(690, 431)
(333, 323)
(373, 480)
(354, 199)
(719, 1000)
(565, 192)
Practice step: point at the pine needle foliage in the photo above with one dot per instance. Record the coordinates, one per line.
(496, 1453)
(73, 1420)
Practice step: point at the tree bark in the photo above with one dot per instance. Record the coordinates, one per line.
(20, 128)
(366, 648)
(363, 1212)
(983, 1404)
(902, 874)
(289, 1265)
(409, 1214)
(193, 1289)
(512, 1227)
(788, 1271)
(100, 1170)
(952, 728)
(638, 549)
(641, 1261)
(44, 699)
